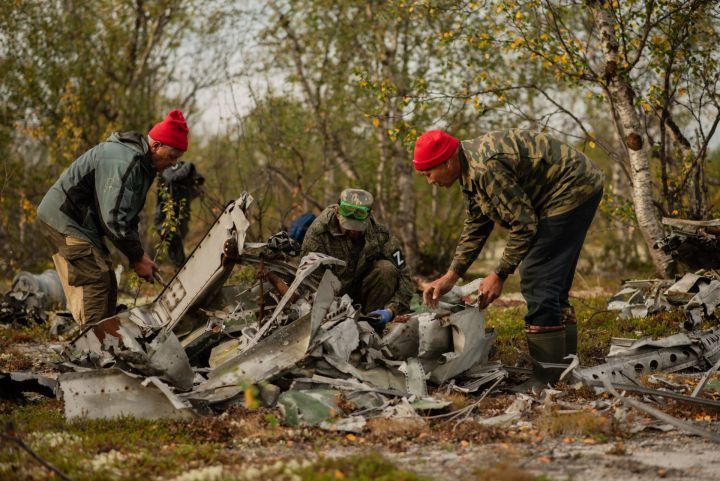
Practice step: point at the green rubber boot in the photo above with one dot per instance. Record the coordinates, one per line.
(570, 339)
(544, 347)
(570, 322)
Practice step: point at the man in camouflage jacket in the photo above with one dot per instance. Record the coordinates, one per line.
(375, 273)
(546, 194)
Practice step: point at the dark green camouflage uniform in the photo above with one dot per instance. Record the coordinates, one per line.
(376, 273)
(519, 178)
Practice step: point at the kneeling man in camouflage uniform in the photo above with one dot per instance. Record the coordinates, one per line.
(546, 194)
(375, 273)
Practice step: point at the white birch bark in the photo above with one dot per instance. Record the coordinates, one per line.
(632, 136)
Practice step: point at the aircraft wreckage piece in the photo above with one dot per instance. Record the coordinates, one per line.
(695, 293)
(308, 265)
(471, 345)
(694, 243)
(702, 305)
(13, 384)
(109, 393)
(669, 354)
(205, 270)
(281, 350)
(284, 348)
(446, 347)
(122, 340)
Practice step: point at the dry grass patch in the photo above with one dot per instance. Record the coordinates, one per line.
(12, 359)
(458, 400)
(505, 472)
(584, 423)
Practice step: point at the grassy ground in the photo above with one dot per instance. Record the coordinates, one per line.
(237, 445)
(247, 445)
(596, 325)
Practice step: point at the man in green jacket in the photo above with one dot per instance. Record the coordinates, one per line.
(101, 195)
(375, 272)
(546, 194)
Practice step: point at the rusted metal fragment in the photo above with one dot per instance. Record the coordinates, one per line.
(110, 393)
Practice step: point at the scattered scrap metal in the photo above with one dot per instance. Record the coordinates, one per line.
(698, 294)
(30, 297)
(201, 345)
(695, 243)
(289, 339)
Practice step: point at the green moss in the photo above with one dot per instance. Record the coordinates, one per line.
(123, 448)
(356, 468)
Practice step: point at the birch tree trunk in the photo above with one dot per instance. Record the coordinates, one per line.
(621, 97)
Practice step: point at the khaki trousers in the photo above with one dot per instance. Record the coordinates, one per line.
(86, 276)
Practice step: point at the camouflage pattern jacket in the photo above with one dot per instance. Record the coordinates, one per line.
(513, 178)
(324, 236)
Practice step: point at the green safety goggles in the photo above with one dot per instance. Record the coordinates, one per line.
(358, 212)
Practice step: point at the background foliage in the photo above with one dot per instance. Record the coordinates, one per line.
(335, 93)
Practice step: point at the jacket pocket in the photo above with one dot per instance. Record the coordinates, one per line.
(82, 267)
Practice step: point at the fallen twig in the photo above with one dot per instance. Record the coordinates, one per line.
(678, 423)
(467, 409)
(11, 435)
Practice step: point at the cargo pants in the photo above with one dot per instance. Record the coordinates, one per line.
(86, 276)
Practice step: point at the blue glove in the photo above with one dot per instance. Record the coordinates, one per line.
(381, 317)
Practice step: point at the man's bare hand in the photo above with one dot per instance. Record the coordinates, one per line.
(490, 289)
(438, 287)
(145, 268)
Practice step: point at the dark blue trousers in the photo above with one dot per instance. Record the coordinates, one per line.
(548, 270)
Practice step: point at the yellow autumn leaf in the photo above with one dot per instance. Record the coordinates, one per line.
(375, 122)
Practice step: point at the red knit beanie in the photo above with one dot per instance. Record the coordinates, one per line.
(433, 148)
(172, 131)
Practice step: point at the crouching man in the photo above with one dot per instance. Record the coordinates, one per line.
(375, 273)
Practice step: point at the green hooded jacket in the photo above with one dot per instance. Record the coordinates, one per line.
(102, 193)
